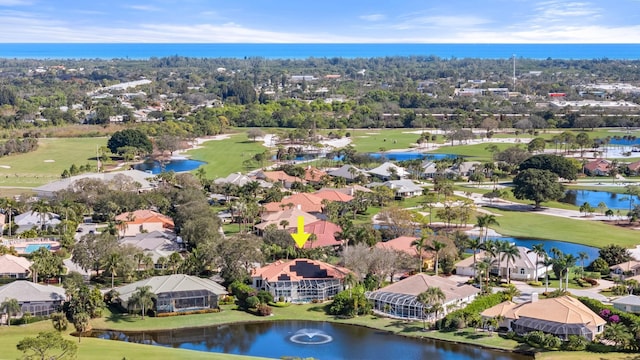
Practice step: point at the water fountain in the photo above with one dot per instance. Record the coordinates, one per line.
(311, 337)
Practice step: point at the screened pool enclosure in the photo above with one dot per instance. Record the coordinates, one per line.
(304, 290)
(403, 306)
(177, 301)
(524, 325)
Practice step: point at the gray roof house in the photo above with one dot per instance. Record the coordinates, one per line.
(143, 179)
(35, 298)
(176, 293)
(465, 168)
(345, 172)
(30, 219)
(156, 244)
(429, 169)
(402, 188)
(630, 303)
(387, 171)
(241, 180)
(524, 267)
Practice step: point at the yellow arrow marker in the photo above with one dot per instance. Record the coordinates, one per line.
(300, 237)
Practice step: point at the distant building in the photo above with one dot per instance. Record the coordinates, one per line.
(140, 221)
(630, 304)
(38, 300)
(14, 267)
(140, 180)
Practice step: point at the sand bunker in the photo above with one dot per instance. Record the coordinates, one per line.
(49, 161)
(5, 166)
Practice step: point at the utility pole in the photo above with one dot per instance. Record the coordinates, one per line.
(514, 72)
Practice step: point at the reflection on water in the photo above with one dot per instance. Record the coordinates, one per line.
(273, 340)
(175, 165)
(593, 197)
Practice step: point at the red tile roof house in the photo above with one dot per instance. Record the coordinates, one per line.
(278, 176)
(314, 175)
(403, 243)
(333, 195)
(140, 221)
(303, 201)
(634, 167)
(300, 280)
(324, 232)
(597, 167)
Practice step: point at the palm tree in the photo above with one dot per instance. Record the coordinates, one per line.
(143, 297)
(510, 253)
(474, 245)
(350, 280)
(113, 262)
(539, 250)
(582, 256)
(436, 246)
(10, 307)
(428, 298)
(42, 208)
(483, 222)
(284, 224)
(81, 323)
(569, 261)
(420, 245)
(175, 259)
(59, 321)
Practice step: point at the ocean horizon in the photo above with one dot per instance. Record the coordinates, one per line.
(141, 51)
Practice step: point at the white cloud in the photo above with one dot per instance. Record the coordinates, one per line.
(373, 17)
(563, 11)
(142, 7)
(15, 2)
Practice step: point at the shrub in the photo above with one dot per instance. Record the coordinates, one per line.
(264, 310)
(535, 338)
(600, 348)
(591, 281)
(264, 296)
(227, 300)
(252, 302)
(575, 343)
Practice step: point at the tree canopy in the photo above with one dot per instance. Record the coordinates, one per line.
(537, 185)
(134, 138)
(559, 165)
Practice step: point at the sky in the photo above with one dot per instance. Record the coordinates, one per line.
(320, 21)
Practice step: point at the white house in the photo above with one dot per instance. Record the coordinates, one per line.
(523, 268)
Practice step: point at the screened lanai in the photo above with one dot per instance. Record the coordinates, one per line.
(186, 300)
(402, 306)
(524, 325)
(305, 290)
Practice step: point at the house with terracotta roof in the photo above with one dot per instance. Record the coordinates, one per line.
(634, 167)
(325, 234)
(278, 177)
(14, 267)
(303, 201)
(400, 300)
(140, 221)
(333, 195)
(598, 167)
(561, 316)
(404, 244)
(288, 217)
(314, 175)
(300, 280)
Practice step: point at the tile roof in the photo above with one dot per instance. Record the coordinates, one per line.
(307, 202)
(145, 217)
(171, 283)
(403, 243)
(10, 264)
(333, 195)
(626, 266)
(313, 174)
(598, 164)
(325, 234)
(414, 285)
(23, 290)
(278, 176)
(290, 215)
(564, 309)
(299, 269)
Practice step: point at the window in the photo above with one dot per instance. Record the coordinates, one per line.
(522, 271)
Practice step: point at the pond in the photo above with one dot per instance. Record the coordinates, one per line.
(302, 339)
(565, 247)
(409, 155)
(593, 197)
(175, 165)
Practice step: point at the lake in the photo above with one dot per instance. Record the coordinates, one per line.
(593, 197)
(565, 247)
(175, 165)
(302, 339)
(409, 155)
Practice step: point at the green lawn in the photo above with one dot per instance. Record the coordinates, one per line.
(373, 139)
(224, 157)
(591, 233)
(476, 152)
(48, 161)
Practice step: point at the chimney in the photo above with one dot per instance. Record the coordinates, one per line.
(299, 207)
(534, 297)
(352, 191)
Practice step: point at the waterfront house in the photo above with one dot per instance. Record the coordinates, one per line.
(176, 293)
(597, 167)
(400, 300)
(404, 244)
(561, 316)
(38, 300)
(523, 268)
(300, 280)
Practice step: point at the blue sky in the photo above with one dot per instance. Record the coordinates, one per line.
(321, 21)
